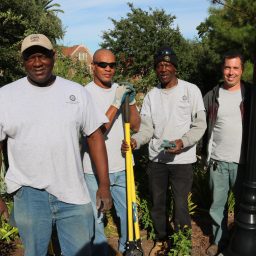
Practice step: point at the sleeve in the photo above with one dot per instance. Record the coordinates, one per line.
(92, 117)
(196, 131)
(146, 130)
(198, 125)
(146, 109)
(197, 103)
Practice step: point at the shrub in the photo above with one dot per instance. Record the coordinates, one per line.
(181, 243)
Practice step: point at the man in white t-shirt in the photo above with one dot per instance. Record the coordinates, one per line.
(42, 117)
(173, 121)
(223, 144)
(109, 97)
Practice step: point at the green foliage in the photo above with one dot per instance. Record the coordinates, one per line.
(248, 71)
(2, 175)
(145, 218)
(191, 205)
(135, 39)
(201, 194)
(142, 193)
(231, 202)
(230, 25)
(18, 19)
(181, 243)
(200, 65)
(71, 69)
(8, 232)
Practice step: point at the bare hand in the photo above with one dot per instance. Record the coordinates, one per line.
(125, 146)
(4, 209)
(103, 199)
(177, 149)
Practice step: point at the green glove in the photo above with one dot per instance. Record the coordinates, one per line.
(166, 144)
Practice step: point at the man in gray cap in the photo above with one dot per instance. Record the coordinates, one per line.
(42, 116)
(172, 121)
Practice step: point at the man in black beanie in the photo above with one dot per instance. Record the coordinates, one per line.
(172, 121)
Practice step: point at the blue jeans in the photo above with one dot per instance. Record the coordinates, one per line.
(118, 192)
(34, 213)
(224, 176)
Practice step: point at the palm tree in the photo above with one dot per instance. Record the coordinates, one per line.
(47, 6)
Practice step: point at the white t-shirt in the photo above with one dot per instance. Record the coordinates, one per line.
(43, 126)
(227, 132)
(113, 139)
(171, 111)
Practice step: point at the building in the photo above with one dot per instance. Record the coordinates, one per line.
(78, 52)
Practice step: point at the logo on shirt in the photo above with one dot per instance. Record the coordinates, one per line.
(184, 98)
(72, 99)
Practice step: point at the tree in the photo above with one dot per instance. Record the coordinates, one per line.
(71, 69)
(231, 24)
(135, 39)
(18, 19)
(48, 6)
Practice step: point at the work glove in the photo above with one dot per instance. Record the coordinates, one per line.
(122, 91)
(166, 144)
(132, 92)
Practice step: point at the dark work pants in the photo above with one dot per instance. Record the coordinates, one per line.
(180, 177)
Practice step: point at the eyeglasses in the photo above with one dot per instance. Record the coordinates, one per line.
(105, 64)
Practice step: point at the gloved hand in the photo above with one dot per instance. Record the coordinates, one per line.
(166, 144)
(122, 90)
(132, 92)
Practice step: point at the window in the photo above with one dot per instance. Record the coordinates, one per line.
(81, 56)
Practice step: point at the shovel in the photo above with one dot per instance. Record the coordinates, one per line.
(133, 245)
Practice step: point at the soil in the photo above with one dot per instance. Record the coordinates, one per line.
(200, 237)
(201, 231)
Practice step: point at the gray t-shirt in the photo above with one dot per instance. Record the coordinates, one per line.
(227, 132)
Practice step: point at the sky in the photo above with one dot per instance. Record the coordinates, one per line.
(85, 20)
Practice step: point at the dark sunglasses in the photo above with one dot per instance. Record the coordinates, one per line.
(105, 64)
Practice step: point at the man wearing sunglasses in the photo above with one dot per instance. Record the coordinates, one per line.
(173, 121)
(109, 96)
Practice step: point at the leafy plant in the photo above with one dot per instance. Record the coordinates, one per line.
(145, 218)
(191, 205)
(2, 182)
(71, 69)
(231, 202)
(8, 232)
(181, 242)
